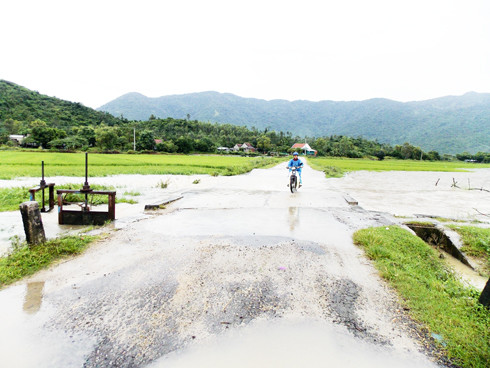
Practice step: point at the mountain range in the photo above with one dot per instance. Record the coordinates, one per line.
(450, 124)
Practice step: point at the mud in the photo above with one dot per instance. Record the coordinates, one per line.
(239, 271)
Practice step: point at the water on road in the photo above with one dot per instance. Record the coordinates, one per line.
(240, 272)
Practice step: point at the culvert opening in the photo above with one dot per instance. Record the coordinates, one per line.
(436, 238)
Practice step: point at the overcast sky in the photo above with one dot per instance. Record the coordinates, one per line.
(94, 51)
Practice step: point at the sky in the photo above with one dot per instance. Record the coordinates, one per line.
(95, 51)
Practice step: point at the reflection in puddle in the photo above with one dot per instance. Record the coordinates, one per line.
(33, 297)
(293, 217)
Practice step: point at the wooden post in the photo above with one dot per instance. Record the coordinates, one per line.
(112, 205)
(33, 223)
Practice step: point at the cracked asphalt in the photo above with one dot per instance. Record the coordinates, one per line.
(240, 272)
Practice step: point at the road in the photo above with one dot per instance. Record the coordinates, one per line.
(240, 272)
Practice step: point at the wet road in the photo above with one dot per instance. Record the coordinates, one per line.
(240, 272)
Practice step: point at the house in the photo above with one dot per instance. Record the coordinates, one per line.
(17, 138)
(223, 149)
(246, 147)
(157, 141)
(305, 148)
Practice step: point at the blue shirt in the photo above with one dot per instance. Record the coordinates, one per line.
(298, 163)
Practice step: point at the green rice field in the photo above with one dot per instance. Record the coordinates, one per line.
(14, 164)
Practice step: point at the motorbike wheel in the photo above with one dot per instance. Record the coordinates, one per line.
(292, 183)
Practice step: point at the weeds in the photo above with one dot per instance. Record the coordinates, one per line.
(434, 296)
(24, 260)
(132, 193)
(476, 243)
(163, 184)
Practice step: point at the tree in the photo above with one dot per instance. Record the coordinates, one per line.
(263, 143)
(433, 156)
(88, 133)
(107, 139)
(167, 146)
(380, 155)
(69, 143)
(204, 145)
(12, 126)
(184, 144)
(146, 141)
(43, 134)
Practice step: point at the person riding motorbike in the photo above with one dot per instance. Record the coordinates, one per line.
(298, 164)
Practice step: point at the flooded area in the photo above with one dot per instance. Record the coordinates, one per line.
(239, 272)
(287, 343)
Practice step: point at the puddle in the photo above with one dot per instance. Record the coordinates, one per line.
(288, 343)
(466, 273)
(34, 297)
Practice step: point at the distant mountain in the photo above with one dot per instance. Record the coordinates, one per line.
(450, 124)
(20, 103)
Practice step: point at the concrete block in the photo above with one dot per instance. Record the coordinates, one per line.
(33, 223)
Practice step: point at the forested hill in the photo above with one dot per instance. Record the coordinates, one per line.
(22, 104)
(448, 124)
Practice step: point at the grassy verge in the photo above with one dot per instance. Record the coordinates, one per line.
(476, 243)
(10, 198)
(25, 261)
(335, 167)
(14, 164)
(433, 294)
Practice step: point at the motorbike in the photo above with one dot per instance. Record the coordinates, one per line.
(293, 180)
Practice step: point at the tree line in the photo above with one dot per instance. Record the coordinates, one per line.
(186, 136)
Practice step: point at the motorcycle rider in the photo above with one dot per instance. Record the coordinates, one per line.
(298, 164)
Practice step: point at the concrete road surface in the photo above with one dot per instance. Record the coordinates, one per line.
(238, 273)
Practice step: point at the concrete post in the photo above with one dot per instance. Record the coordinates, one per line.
(33, 224)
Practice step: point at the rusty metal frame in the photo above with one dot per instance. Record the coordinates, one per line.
(42, 185)
(32, 194)
(86, 216)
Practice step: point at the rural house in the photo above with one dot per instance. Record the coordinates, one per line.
(305, 148)
(17, 138)
(246, 147)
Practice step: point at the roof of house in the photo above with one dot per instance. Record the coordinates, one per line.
(305, 146)
(298, 145)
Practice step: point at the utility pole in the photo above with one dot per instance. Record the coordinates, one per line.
(134, 139)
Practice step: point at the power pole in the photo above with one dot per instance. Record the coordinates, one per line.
(134, 139)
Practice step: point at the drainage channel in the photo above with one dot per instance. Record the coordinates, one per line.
(454, 257)
(437, 238)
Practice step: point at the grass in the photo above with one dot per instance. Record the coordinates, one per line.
(14, 164)
(25, 261)
(10, 198)
(433, 294)
(476, 243)
(336, 167)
